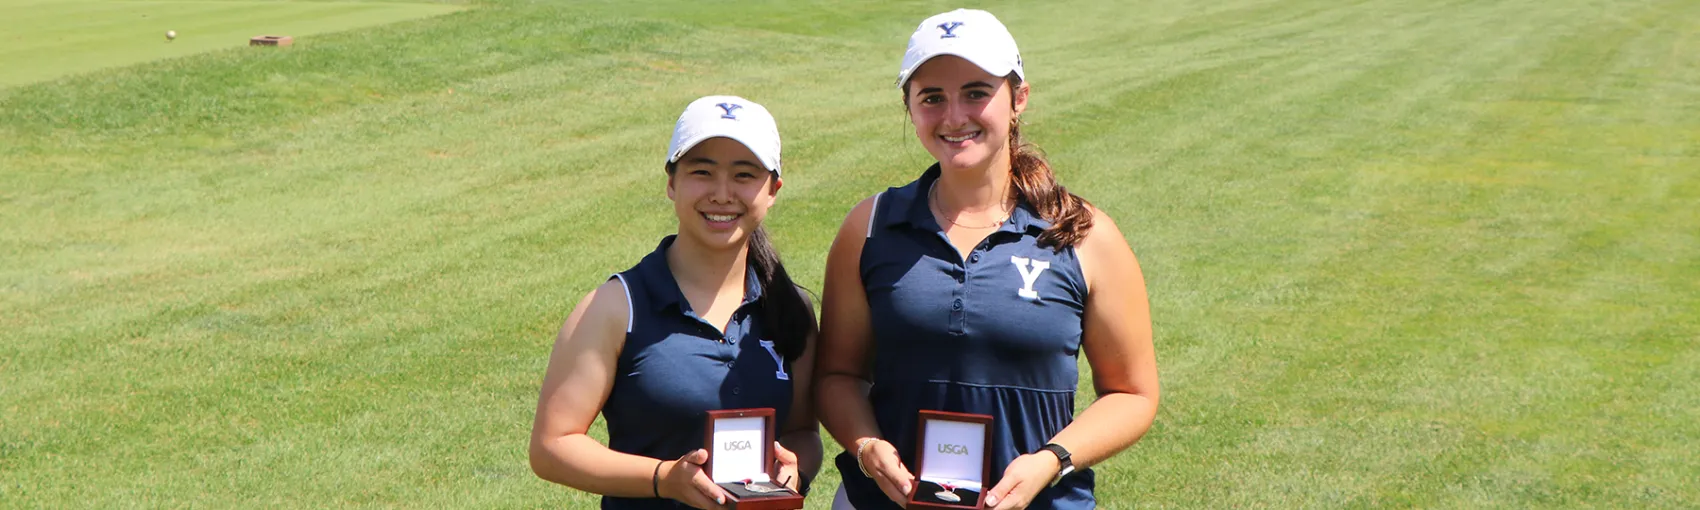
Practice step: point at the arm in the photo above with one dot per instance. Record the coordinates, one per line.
(579, 378)
(846, 345)
(1118, 346)
(1117, 341)
(799, 436)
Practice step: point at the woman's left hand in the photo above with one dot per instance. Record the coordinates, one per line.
(787, 474)
(1023, 480)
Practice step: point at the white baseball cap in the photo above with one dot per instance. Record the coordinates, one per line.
(975, 35)
(731, 117)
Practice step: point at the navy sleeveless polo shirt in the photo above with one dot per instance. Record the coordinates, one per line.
(998, 334)
(675, 367)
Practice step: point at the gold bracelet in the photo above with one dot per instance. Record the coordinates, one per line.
(862, 446)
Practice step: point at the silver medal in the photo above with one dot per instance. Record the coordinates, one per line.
(947, 496)
(759, 488)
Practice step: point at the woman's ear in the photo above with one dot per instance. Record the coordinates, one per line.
(670, 187)
(1021, 97)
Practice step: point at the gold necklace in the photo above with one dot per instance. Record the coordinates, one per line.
(932, 204)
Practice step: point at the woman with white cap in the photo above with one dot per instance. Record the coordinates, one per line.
(709, 320)
(973, 289)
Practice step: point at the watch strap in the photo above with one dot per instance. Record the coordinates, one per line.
(1065, 464)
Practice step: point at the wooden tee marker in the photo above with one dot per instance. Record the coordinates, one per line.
(271, 40)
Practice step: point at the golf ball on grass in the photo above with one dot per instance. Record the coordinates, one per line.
(170, 34)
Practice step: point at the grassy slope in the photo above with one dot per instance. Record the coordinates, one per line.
(1432, 255)
(45, 39)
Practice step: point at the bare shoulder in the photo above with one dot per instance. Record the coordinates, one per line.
(1105, 236)
(609, 300)
(604, 313)
(859, 217)
(1104, 253)
(854, 232)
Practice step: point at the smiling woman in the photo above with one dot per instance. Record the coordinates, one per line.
(710, 320)
(974, 289)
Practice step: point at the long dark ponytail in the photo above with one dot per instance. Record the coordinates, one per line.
(1032, 180)
(787, 318)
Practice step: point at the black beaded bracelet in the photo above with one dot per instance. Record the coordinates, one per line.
(655, 479)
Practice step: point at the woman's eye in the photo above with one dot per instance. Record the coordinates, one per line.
(932, 100)
(978, 94)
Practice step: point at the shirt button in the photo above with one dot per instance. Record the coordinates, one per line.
(974, 258)
(730, 363)
(734, 390)
(956, 305)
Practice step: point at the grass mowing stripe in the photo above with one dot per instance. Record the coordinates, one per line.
(79, 36)
(1399, 255)
(1217, 141)
(165, 324)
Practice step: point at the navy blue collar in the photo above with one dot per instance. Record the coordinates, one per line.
(911, 201)
(663, 289)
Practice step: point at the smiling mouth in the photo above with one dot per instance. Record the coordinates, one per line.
(960, 138)
(720, 218)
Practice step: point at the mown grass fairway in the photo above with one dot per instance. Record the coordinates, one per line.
(1401, 254)
(45, 39)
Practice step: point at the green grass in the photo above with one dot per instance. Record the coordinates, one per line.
(46, 39)
(1400, 254)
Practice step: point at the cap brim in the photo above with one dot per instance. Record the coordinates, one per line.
(903, 77)
(690, 143)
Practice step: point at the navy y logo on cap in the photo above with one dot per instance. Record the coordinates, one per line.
(948, 28)
(729, 107)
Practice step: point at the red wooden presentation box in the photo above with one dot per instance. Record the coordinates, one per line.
(787, 501)
(921, 455)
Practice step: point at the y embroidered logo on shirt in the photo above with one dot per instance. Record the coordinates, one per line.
(1029, 276)
(777, 361)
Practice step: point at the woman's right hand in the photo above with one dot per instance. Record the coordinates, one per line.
(881, 460)
(683, 481)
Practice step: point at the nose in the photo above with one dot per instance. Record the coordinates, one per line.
(955, 114)
(722, 191)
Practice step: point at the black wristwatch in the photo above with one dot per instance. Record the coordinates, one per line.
(1065, 466)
